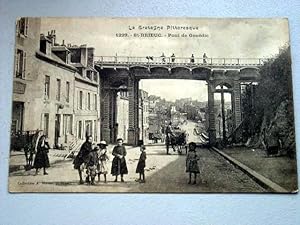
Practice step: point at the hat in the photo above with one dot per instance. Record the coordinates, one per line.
(102, 143)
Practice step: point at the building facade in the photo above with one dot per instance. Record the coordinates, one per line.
(122, 116)
(47, 87)
(86, 94)
(144, 116)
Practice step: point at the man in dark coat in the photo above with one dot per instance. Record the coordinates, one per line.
(169, 136)
(119, 166)
(82, 157)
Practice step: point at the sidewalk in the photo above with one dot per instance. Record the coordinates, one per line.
(17, 158)
(281, 170)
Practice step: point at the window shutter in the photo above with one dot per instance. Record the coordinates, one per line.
(18, 27)
(26, 27)
(24, 65)
(77, 100)
(16, 63)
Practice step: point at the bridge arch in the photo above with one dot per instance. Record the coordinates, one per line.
(227, 85)
(120, 74)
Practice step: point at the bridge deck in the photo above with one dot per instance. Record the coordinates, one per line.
(128, 62)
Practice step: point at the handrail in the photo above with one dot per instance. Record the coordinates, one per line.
(163, 60)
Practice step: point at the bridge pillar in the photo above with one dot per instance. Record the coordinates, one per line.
(133, 110)
(109, 116)
(237, 103)
(211, 115)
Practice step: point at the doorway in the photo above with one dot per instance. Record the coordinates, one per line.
(57, 129)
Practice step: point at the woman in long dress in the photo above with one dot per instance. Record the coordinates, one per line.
(119, 166)
(41, 159)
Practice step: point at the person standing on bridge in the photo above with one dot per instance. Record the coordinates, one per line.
(192, 162)
(204, 58)
(173, 57)
(163, 58)
(192, 58)
(119, 166)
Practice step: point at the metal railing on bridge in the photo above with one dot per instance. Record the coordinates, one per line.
(129, 61)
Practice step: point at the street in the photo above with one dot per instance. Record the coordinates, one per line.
(164, 173)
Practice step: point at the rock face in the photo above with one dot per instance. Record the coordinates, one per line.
(278, 132)
(268, 112)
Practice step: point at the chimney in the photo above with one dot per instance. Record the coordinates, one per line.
(63, 42)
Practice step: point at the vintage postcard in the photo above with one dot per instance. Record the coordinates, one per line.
(152, 105)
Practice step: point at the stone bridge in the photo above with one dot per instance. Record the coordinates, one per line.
(124, 72)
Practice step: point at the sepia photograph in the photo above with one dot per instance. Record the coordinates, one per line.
(152, 105)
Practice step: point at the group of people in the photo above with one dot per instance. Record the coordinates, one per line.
(94, 161)
(192, 58)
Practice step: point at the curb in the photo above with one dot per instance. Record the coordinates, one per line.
(260, 179)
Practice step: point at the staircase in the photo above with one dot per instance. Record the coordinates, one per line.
(74, 147)
(236, 133)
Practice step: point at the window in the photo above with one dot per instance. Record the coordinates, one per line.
(80, 100)
(67, 124)
(95, 76)
(89, 74)
(95, 131)
(88, 127)
(14, 126)
(79, 134)
(67, 91)
(89, 101)
(75, 55)
(95, 100)
(46, 124)
(22, 26)
(47, 87)
(58, 86)
(20, 63)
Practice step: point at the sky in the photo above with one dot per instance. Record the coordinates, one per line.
(230, 38)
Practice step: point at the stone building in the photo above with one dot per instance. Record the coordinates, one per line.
(144, 115)
(24, 77)
(122, 116)
(86, 93)
(50, 88)
(43, 85)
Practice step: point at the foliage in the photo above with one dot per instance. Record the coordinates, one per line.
(272, 97)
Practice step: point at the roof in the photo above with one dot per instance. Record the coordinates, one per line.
(43, 37)
(54, 59)
(91, 68)
(60, 48)
(77, 64)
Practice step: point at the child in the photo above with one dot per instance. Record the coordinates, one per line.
(192, 162)
(103, 159)
(141, 164)
(91, 164)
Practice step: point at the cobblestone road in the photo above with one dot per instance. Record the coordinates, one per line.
(164, 173)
